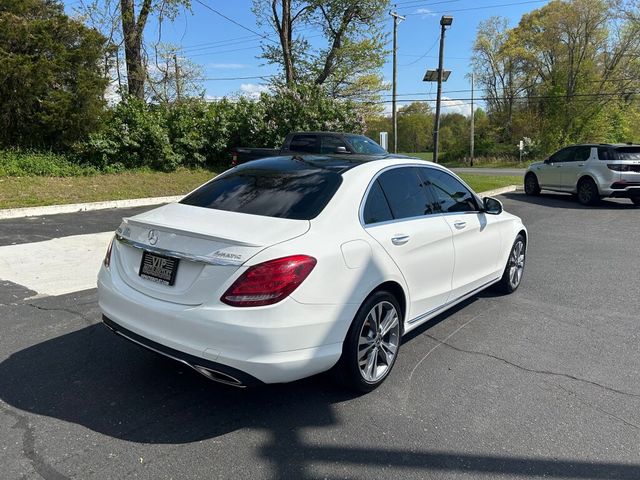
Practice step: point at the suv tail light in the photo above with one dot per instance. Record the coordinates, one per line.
(619, 167)
(107, 257)
(269, 282)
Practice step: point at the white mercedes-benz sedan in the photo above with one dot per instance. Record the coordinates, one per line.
(286, 267)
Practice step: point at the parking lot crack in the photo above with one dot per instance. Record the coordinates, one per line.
(39, 464)
(595, 407)
(533, 370)
(87, 320)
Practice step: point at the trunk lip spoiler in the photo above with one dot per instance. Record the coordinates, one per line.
(208, 260)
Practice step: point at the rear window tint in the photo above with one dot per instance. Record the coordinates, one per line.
(294, 194)
(626, 153)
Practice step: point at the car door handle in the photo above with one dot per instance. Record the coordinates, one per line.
(558, 166)
(581, 164)
(460, 225)
(399, 239)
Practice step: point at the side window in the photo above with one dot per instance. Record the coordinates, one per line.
(329, 144)
(406, 192)
(581, 154)
(564, 155)
(303, 143)
(376, 208)
(604, 153)
(450, 194)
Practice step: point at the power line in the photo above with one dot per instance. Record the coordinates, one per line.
(422, 56)
(263, 77)
(480, 8)
(234, 22)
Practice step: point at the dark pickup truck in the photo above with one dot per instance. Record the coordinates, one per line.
(300, 143)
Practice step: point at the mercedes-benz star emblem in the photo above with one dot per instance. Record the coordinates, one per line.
(153, 237)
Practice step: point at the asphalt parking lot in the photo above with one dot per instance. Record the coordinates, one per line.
(544, 383)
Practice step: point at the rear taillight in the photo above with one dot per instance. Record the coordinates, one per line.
(107, 256)
(269, 282)
(619, 167)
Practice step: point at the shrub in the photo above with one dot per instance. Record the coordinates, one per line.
(17, 163)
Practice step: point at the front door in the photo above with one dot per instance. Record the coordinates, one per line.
(550, 174)
(476, 235)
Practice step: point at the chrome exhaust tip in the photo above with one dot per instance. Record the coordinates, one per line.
(217, 376)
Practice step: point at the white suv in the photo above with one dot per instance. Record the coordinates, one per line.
(590, 171)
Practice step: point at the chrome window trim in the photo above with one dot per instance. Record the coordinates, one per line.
(406, 219)
(180, 255)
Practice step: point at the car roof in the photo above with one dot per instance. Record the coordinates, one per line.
(337, 163)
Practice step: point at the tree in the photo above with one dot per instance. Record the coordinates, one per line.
(348, 65)
(52, 81)
(173, 77)
(564, 74)
(415, 127)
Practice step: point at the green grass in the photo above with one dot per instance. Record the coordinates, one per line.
(37, 190)
(482, 183)
(479, 162)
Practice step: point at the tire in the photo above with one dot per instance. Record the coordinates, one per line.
(588, 192)
(368, 356)
(514, 270)
(531, 185)
(636, 201)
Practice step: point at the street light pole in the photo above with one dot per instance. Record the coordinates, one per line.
(445, 21)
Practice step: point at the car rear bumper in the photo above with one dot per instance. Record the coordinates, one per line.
(275, 344)
(624, 190)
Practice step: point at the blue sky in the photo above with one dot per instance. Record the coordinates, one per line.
(225, 49)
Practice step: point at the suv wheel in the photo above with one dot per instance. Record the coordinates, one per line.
(372, 344)
(531, 185)
(588, 192)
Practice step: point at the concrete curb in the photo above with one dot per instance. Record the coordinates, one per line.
(84, 207)
(142, 202)
(500, 191)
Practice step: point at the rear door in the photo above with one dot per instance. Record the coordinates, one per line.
(476, 235)
(574, 166)
(398, 213)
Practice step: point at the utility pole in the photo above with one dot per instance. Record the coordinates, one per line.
(445, 21)
(177, 73)
(473, 114)
(394, 115)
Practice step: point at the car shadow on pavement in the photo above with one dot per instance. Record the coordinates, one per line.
(565, 200)
(94, 379)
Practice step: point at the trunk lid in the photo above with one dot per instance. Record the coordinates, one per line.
(211, 246)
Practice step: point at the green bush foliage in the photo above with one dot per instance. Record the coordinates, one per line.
(196, 133)
(17, 163)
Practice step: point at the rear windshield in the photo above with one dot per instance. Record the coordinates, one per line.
(626, 153)
(299, 194)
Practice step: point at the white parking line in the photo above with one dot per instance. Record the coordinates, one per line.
(57, 266)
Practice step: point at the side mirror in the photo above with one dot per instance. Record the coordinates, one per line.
(492, 206)
(342, 150)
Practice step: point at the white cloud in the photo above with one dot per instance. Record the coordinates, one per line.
(455, 106)
(425, 12)
(253, 89)
(228, 66)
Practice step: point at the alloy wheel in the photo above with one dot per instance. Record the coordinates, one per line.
(516, 264)
(378, 342)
